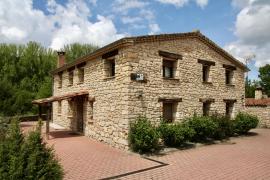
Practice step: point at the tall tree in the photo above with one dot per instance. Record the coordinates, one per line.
(250, 87)
(264, 75)
(25, 74)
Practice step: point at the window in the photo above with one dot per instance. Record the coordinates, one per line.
(59, 110)
(206, 70)
(229, 109)
(169, 111)
(70, 78)
(206, 108)
(228, 76)
(110, 67)
(81, 75)
(168, 68)
(60, 78)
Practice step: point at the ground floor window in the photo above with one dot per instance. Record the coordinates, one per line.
(206, 108)
(229, 109)
(169, 110)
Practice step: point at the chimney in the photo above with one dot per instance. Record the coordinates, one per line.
(61, 59)
(258, 92)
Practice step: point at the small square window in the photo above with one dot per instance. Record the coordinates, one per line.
(70, 78)
(228, 76)
(169, 110)
(206, 70)
(168, 68)
(206, 108)
(81, 75)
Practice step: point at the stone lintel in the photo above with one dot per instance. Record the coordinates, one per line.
(207, 100)
(206, 62)
(169, 55)
(229, 67)
(169, 100)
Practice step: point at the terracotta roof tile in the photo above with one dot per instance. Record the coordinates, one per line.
(257, 102)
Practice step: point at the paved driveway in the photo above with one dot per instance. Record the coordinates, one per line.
(241, 158)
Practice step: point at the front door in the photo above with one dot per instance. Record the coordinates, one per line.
(80, 123)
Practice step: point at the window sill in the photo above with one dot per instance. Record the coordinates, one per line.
(208, 83)
(108, 78)
(173, 79)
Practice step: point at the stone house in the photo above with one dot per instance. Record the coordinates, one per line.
(169, 75)
(260, 107)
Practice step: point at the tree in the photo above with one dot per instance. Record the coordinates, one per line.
(250, 87)
(264, 75)
(25, 74)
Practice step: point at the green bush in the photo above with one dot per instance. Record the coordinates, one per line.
(204, 127)
(225, 126)
(143, 136)
(27, 158)
(175, 134)
(244, 122)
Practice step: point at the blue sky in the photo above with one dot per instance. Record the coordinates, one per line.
(238, 26)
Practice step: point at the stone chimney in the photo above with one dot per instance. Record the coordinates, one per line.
(258, 92)
(61, 59)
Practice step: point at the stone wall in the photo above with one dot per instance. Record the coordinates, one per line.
(187, 83)
(262, 112)
(119, 100)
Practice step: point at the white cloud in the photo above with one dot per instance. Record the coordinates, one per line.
(20, 23)
(123, 6)
(130, 20)
(252, 29)
(181, 3)
(154, 28)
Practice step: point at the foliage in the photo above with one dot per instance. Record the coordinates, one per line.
(25, 74)
(175, 134)
(76, 50)
(244, 122)
(204, 127)
(143, 136)
(225, 126)
(264, 75)
(250, 88)
(27, 158)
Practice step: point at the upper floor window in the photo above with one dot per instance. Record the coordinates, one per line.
(81, 75)
(206, 65)
(169, 64)
(70, 76)
(229, 73)
(60, 79)
(109, 63)
(168, 68)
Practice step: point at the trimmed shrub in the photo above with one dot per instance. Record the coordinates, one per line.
(244, 122)
(225, 126)
(143, 136)
(175, 134)
(204, 127)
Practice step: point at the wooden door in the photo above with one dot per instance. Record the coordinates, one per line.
(80, 123)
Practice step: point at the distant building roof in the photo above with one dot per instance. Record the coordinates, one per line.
(257, 102)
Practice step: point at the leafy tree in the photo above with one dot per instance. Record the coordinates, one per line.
(25, 74)
(76, 50)
(250, 87)
(264, 74)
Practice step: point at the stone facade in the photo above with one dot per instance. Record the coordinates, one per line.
(262, 112)
(118, 100)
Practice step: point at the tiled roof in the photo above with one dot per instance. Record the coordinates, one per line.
(127, 41)
(257, 102)
(58, 98)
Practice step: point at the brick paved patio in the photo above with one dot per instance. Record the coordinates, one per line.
(241, 158)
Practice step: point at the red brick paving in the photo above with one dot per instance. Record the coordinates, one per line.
(241, 158)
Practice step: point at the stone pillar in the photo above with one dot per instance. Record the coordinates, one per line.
(258, 93)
